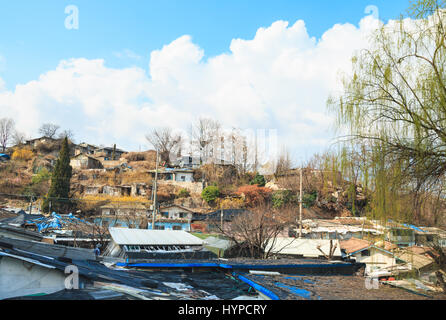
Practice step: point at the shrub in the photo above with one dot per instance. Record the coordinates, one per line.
(309, 199)
(231, 203)
(259, 180)
(254, 195)
(210, 194)
(22, 154)
(42, 176)
(183, 193)
(282, 198)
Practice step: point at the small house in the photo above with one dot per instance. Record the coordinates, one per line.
(178, 175)
(107, 153)
(124, 209)
(83, 162)
(173, 217)
(377, 257)
(187, 162)
(401, 236)
(84, 148)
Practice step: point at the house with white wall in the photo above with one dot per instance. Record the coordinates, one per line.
(376, 256)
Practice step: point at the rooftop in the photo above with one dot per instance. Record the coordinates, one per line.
(125, 236)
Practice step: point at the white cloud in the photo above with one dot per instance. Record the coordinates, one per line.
(280, 79)
(127, 54)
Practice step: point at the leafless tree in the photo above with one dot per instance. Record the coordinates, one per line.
(205, 132)
(18, 138)
(49, 130)
(6, 131)
(256, 231)
(67, 133)
(165, 142)
(283, 164)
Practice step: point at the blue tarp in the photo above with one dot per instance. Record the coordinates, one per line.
(410, 226)
(300, 292)
(2, 155)
(55, 221)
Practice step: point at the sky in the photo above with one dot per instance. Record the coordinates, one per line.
(130, 66)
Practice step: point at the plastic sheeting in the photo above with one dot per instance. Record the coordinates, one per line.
(55, 222)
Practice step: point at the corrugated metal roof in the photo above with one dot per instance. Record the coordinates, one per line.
(304, 247)
(125, 236)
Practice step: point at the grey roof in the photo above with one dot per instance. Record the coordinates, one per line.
(49, 250)
(125, 236)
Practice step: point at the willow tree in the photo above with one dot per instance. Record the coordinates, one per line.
(395, 101)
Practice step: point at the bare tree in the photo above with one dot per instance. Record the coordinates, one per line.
(49, 130)
(283, 164)
(204, 134)
(165, 142)
(6, 131)
(67, 133)
(255, 232)
(18, 138)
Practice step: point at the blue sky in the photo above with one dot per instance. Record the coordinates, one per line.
(33, 38)
(134, 65)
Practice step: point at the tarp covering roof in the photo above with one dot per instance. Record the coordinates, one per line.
(55, 222)
(125, 236)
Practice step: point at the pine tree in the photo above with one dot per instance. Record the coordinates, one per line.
(60, 181)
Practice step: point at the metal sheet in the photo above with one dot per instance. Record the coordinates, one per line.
(124, 236)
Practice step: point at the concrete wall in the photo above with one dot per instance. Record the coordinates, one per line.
(21, 278)
(170, 225)
(188, 176)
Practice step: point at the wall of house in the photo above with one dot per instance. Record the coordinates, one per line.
(378, 259)
(123, 211)
(174, 213)
(19, 278)
(170, 225)
(188, 176)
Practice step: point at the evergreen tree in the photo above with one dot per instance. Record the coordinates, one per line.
(60, 181)
(259, 180)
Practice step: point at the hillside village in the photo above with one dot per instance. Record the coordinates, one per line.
(113, 200)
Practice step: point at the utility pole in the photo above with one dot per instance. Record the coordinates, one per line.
(300, 205)
(221, 218)
(154, 193)
(31, 205)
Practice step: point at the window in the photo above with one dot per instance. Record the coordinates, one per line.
(365, 253)
(165, 214)
(177, 228)
(159, 227)
(183, 178)
(132, 248)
